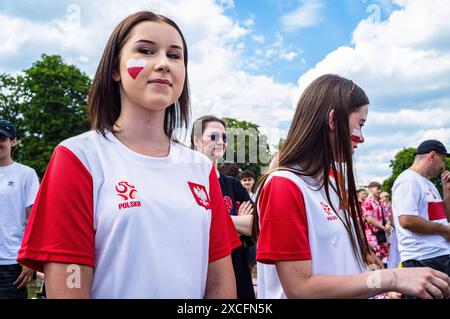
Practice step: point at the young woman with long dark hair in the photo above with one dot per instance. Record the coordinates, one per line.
(124, 211)
(311, 241)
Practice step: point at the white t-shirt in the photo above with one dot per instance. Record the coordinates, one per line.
(297, 223)
(413, 194)
(18, 188)
(148, 226)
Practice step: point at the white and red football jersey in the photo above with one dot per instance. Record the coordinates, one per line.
(149, 226)
(413, 194)
(297, 223)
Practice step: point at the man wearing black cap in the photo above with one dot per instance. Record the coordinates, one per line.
(18, 188)
(421, 216)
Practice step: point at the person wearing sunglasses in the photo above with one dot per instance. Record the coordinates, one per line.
(209, 137)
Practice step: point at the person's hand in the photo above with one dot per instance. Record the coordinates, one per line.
(246, 208)
(374, 261)
(445, 178)
(388, 229)
(424, 283)
(26, 276)
(394, 295)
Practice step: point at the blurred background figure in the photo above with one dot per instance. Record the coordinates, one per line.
(229, 169)
(209, 136)
(377, 225)
(362, 195)
(248, 181)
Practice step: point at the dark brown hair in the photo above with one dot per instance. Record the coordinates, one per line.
(230, 169)
(104, 97)
(309, 145)
(247, 174)
(375, 184)
(204, 120)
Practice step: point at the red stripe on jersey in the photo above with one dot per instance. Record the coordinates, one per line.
(436, 211)
(284, 226)
(61, 228)
(223, 236)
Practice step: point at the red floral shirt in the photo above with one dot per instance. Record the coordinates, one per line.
(372, 207)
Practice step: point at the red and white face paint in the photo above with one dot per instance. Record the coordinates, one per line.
(356, 136)
(135, 66)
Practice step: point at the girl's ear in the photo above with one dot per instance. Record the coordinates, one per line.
(331, 122)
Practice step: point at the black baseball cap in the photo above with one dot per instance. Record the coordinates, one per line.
(7, 129)
(432, 145)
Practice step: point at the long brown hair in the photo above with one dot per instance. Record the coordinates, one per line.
(309, 145)
(104, 97)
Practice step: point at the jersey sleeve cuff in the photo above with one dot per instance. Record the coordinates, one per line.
(271, 258)
(36, 260)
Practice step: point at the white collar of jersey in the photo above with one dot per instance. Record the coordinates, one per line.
(143, 160)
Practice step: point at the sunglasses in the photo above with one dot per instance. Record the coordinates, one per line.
(215, 137)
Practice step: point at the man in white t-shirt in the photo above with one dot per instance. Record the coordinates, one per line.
(421, 216)
(18, 188)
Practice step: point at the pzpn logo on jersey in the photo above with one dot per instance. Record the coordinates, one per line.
(11, 183)
(127, 193)
(327, 209)
(200, 195)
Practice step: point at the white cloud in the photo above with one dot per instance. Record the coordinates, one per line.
(403, 64)
(400, 139)
(288, 56)
(428, 118)
(308, 14)
(215, 43)
(249, 22)
(276, 52)
(227, 4)
(258, 38)
(406, 55)
(373, 166)
(269, 53)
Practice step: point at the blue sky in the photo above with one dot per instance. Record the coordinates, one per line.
(333, 26)
(251, 59)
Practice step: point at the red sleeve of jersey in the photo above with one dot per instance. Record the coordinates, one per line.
(60, 227)
(222, 235)
(284, 226)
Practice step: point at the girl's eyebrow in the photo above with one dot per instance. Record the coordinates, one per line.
(151, 42)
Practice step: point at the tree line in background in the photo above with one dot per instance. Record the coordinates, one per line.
(47, 103)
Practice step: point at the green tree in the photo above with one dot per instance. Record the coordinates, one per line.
(280, 144)
(402, 161)
(250, 147)
(10, 98)
(48, 104)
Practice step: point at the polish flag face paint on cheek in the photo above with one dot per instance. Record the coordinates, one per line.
(356, 136)
(135, 66)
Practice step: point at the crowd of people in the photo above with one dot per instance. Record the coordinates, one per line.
(133, 213)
